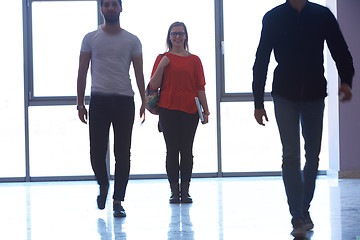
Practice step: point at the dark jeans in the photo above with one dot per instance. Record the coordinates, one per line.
(179, 131)
(119, 111)
(299, 186)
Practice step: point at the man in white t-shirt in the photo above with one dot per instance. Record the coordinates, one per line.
(110, 49)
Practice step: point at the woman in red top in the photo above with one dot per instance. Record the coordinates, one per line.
(181, 78)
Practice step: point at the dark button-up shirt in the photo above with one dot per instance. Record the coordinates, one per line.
(298, 43)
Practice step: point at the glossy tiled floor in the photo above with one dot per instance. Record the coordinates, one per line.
(223, 208)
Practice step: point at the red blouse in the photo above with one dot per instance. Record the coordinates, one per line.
(183, 77)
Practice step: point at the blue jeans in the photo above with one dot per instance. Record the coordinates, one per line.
(119, 111)
(299, 186)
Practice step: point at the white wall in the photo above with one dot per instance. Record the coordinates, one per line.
(344, 124)
(349, 114)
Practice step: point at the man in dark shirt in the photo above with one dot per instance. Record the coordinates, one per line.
(296, 31)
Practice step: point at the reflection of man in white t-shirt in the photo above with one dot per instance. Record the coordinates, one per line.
(111, 50)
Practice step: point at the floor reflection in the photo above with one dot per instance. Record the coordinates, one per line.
(223, 208)
(180, 227)
(119, 231)
(104, 231)
(114, 226)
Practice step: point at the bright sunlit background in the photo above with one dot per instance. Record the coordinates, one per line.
(59, 143)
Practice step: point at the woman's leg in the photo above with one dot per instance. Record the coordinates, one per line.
(169, 120)
(189, 123)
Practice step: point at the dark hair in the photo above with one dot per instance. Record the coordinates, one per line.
(168, 41)
(101, 2)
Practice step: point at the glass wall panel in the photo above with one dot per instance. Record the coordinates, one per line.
(247, 146)
(58, 30)
(148, 147)
(250, 147)
(59, 142)
(12, 143)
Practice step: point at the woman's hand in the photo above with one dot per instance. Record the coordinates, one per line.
(156, 79)
(206, 117)
(164, 61)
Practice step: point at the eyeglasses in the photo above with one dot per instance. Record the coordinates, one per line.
(180, 34)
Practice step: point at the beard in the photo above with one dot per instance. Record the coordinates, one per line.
(112, 18)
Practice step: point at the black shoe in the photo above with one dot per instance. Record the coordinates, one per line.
(186, 199)
(308, 222)
(174, 199)
(175, 195)
(118, 210)
(101, 199)
(299, 230)
(185, 196)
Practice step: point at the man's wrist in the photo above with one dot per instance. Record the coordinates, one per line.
(80, 107)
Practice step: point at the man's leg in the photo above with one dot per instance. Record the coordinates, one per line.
(287, 115)
(99, 124)
(123, 120)
(312, 124)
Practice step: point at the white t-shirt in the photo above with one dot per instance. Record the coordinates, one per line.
(110, 60)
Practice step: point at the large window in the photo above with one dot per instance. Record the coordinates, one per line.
(12, 143)
(58, 142)
(245, 145)
(249, 147)
(58, 28)
(46, 138)
(148, 147)
(242, 28)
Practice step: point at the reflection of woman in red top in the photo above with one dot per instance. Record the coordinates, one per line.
(183, 80)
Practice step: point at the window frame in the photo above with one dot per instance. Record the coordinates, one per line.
(221, 95)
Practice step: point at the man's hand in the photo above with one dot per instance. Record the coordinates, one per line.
(345, 93)
(259, 114)
(83, 115)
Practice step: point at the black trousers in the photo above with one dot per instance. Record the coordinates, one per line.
(119, 111)
(179, 131)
